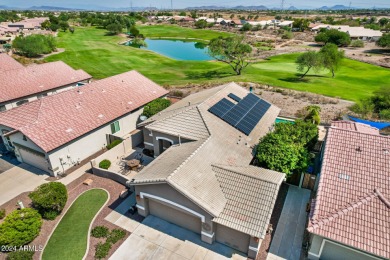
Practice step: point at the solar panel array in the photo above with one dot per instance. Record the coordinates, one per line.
(245, 115)
(234, 97)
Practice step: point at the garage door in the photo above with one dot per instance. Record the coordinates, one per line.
(174, 216)
(34, 159)
(232, 238)
(332, 251)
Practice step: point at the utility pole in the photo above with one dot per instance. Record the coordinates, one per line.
(131, 5)
(172, 5)
(350, 3)
(282, 5)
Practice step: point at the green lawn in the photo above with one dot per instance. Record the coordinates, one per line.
(101, 56)
(69, 240)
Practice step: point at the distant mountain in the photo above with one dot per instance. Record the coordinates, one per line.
(259, 7)
(336, 7)
(52, 8)
(292, 8)
(210, 7)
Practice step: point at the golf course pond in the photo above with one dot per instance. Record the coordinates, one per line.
(177, 49)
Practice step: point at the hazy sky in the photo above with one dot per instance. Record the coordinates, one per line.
(188, 3)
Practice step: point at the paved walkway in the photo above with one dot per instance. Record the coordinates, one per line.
(155, 238)
(287, 241)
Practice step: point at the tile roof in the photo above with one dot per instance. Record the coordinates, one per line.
(194, 177)
(18, 83)
(251, 193)
(8, 63)
(58, 119)
(352, 204)
(354, 126)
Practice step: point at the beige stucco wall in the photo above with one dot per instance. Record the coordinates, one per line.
(232, 238)
(324, 249)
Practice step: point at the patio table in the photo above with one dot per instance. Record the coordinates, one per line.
(134, 163)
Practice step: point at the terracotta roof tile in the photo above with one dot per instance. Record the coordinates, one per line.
(354, 126)
(25, 81)
(8, 63)
(352, 204)
(58, 119)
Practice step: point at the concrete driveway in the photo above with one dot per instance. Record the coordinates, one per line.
(155, 238)
(288, 238)
(19, 179)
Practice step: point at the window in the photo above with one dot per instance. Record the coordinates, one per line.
(21, 102)
(115, 127)
(2, 108)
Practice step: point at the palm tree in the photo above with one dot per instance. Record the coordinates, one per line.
(313, 114)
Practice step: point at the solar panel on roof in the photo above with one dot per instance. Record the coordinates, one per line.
(241, 109)
(250, 121)
(222, 107)
(234, 97)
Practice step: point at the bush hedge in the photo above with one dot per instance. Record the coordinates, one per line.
(114, 143)
(2, 213)
(20, 227)
(105, 164)
(156, 106)
(99, 231)
(115, 235)
(49, 199)
(102, 250)
(20, 255)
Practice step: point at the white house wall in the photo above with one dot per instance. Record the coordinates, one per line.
(93, 142)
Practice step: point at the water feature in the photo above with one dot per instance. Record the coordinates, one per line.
(177, 49)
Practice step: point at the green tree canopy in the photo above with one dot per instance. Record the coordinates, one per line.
(134, 31)
(114, 28)
(20, 227)
(201, 24)
(64, 25)
(331, 57)
(301, 23)
(156, 106)
(307, 61)
(49, 199)
(231, 50)
(34, 45)
(333, 36)
(383, 21)
(384, 41)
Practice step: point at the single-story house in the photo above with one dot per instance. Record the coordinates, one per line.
(350, 216)
(56, 132)
(201, 178)
(20, 84)
(356, 33)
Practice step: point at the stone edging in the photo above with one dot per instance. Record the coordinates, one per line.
(90, 225)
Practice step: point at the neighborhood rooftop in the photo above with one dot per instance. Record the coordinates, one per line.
(8, 63)
(58, 119)
(20, 81)
(352, 205)
(194, 168)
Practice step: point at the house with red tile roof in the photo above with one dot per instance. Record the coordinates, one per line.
(20, 84)
(57, 132)
(350, 216)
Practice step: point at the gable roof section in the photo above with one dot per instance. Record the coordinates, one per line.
(354, 126)
(58, 119)
(8, 63)
(352, 204)
(188, 124)
(30, 80)
(251, 193)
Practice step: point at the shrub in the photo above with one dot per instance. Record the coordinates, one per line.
(177, 93)
(105, 164)
(385, 114)
(156, 106)
(20, 227)
(357, 43)
(99, 231)
(115, 236)
(287, 35)
(34, 45)
(102, 250)
(20, 255)
(2, 213)
(49, 199)
(114, 143)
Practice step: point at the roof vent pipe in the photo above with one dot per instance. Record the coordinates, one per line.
(189, 103)
(250, 89)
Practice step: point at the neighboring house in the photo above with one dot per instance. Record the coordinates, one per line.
(202, 179)
(29, 24)
(21, 84)
(57, 132)
(356, 33)
(350, 217)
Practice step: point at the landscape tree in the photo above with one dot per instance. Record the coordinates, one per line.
(307, 61)
(156, 106)
(49, 199)
(231, 50)
(331, 57)
(246, 27)
(383, 21)
(301, 23)
(313, 114)
(71, 29)
(20, 227)
(64, 25)
(114, 28)
(34, 45)
(134, 31)
(384, 41)
(333, 36)
(201, 24)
